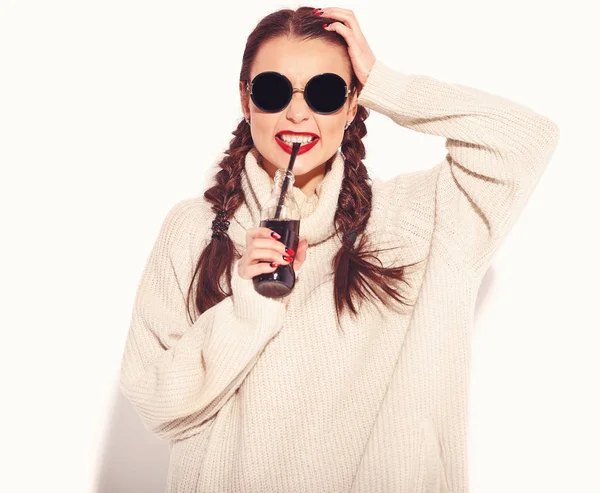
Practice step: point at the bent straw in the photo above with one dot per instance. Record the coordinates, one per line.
(286, 180)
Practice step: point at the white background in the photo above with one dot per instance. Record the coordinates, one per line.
(112, 111)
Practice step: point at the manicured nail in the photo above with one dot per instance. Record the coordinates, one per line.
(325, 26)
(286, 258)
(273, 265)
(289, 251)
(275, 235)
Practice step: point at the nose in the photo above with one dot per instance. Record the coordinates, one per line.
(298, 110)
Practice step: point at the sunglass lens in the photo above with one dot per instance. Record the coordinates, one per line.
(270, 91)
(326, 93)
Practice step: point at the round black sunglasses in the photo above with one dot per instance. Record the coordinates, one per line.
(324, 93)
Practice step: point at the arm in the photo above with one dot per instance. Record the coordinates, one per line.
(497, 150)
(178, 374)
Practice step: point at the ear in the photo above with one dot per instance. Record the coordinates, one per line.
(244, 99)
(353, 108)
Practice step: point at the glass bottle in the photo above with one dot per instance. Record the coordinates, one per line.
(283, 217)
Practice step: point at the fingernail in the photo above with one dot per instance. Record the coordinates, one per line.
(286, 258)
(275, 235)
(273, 264)
(289, 251)
(325, 26)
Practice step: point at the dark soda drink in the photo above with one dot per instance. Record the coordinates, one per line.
(281, 214)
(281, 281)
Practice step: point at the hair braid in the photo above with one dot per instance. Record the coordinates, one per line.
(226, 195)
(353, 273)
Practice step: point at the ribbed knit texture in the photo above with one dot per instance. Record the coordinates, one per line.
(263, 395)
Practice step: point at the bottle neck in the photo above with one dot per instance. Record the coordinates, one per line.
(281, 175)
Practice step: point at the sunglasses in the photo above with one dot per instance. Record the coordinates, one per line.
(324, 93)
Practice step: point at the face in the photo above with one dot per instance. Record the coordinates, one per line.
(299, 61)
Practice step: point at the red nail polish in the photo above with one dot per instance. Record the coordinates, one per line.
(287, 259)
(273, 265)
(324, 25)
(289, 251)
(275, 235)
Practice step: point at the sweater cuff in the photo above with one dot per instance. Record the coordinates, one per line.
(384, 89)
(249, 303)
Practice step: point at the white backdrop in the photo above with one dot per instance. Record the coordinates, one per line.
(112, 111)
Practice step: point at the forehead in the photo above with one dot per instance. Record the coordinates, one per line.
(300, 60)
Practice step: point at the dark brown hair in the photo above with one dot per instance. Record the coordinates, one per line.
(353, 272)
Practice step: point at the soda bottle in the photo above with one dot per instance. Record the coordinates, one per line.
(282, 215)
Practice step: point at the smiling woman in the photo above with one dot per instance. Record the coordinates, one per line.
(268, 395)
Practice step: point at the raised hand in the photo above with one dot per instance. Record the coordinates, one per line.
(346, 24)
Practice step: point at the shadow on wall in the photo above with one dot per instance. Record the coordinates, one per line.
(134, 460)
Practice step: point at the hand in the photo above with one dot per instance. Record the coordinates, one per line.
(361, 55)
(262, 249)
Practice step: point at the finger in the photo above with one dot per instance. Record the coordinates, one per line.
(257, 269)
(349, 19)
(344, 15)
(261, 233)
(302, 247)
(276, 245)
(267, 255)
(270, 244)
(343, 30)
(301, 255)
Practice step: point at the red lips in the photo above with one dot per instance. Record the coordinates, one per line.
(303, 148)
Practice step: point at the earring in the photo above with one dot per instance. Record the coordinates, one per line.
(347, 125)
(247, 120)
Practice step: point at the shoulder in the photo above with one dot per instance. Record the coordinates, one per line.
(403, 212)
(189, 209)
(408, 196)
(187, 222)
(406, 185)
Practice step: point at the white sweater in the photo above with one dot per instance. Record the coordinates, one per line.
(264, 395)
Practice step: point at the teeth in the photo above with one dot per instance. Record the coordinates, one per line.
(303, 139)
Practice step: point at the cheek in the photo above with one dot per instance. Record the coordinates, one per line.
(333, 132)
(330, 124)
(260, 131)
(263, 126)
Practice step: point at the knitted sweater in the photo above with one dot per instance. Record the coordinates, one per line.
(263, 395)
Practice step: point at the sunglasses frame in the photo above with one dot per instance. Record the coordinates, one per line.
(250, 86)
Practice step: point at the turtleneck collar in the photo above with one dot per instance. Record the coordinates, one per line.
(317, 213)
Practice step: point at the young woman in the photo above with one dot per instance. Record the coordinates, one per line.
(357, 381)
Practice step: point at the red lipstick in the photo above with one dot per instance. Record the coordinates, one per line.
(303, 148)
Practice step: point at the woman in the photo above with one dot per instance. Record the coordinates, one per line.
(260, 394)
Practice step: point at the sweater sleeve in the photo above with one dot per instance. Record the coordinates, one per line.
(497, 150)
(178, 374)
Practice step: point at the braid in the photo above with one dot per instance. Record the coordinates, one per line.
(226, 196)
(352, 271)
